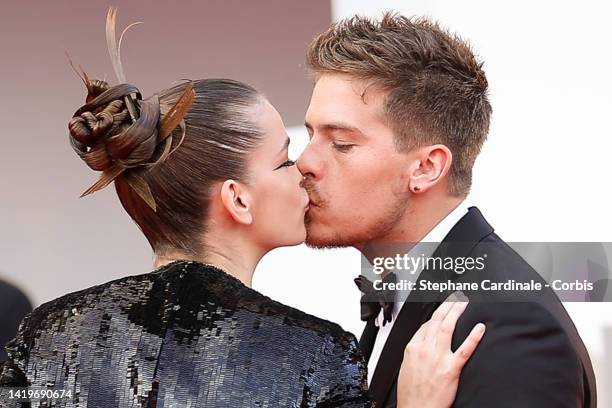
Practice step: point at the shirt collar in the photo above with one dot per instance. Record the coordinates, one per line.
(435, 235)
(441, 229)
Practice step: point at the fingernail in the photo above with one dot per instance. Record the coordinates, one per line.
(481, 328)
(455, 296)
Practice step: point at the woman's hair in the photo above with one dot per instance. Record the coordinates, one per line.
(164, 176)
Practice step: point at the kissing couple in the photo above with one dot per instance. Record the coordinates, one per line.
(398, 114)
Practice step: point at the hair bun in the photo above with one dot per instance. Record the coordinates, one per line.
(114, 132)
(94, 88)
(102, 132)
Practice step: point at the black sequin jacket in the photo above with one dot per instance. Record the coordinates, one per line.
(184, 335)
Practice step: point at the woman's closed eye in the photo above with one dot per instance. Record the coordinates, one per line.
(288, 163)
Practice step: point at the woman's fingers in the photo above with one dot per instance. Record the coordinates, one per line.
(447, 327)
(430, 371)
(434, 323)
(465, 351)
(438, 316)
(420, 334)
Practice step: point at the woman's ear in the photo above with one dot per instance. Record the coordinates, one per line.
(434, 163)
(237, 201)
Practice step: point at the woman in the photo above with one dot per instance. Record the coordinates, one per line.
(202, 169)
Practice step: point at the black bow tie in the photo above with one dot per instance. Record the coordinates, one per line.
(370, 309)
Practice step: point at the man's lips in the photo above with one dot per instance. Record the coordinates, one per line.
(308, 186)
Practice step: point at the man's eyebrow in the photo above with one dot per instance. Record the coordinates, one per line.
(341, 126)
(285, 146)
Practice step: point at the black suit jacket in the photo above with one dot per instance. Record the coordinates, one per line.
(531, 354)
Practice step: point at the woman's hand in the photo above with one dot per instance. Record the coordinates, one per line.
(429, 375)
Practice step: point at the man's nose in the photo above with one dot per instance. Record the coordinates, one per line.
(306, 162)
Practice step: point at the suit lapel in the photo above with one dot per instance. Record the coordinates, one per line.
(410, 318)
(469, 230)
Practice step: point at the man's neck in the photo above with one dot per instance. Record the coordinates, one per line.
(415, 225)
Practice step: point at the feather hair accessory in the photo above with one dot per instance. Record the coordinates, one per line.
(105, 141)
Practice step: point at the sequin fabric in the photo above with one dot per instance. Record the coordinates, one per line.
(185, 335)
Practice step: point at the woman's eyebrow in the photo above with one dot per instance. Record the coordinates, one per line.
(285, 145)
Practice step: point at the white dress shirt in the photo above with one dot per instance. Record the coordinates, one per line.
(436, 235)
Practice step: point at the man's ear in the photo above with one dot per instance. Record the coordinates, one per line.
(431, 166)
(237, 201)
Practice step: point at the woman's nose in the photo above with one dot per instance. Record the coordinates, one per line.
(297, 175)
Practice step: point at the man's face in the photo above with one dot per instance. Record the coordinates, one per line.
(355, 178)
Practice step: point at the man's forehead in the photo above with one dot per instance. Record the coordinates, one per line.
(339, 97)
(334, 90)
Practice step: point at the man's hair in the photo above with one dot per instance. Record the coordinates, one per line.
(435, 89)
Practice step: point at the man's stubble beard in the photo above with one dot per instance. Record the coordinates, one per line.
(378, 228)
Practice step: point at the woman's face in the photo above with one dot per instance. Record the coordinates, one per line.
(278, 201)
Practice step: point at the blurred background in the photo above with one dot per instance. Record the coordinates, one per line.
(543, 174)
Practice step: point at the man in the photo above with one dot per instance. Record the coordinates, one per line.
(398, 115)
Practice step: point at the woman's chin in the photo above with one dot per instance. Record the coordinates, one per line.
(302, 238)
(298, 238)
